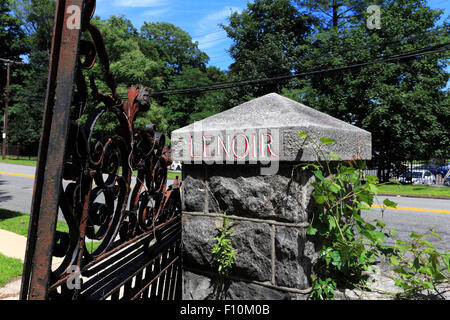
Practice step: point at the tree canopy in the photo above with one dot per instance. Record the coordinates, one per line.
(266, 37)
(403, 102)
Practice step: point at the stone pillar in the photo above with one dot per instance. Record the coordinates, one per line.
(242, 162)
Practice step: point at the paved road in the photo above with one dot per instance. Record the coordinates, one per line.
(16, 189)
(422, 215)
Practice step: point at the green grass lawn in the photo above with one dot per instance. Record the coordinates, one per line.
(18, 223)
(172, 175)
(421, 190)
(20, 160)
(10, 268)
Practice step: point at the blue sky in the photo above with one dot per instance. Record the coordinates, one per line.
(200, 18)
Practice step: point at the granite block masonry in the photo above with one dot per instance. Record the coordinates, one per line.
(241, 162)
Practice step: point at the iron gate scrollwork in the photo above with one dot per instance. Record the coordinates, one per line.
(123, 236)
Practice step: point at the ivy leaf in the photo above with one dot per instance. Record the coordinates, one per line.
(336, 259)
(372, 188)
(348, 170)
(403, 272)
(302, 135)
(427, 285)
(415, 235)
(380, 224)
(380, 236)
(372, 179)
(389, 203)
(331, 222)
(334, 187)
(326, 140)
(400, 283)
(311, 230)
(366, 197)
(394, 260)
(319, 175)
(321, 199)
(428, 244)
(435, 234)
(334, 156)
(358, 218)
(362, 206)
(393, 231)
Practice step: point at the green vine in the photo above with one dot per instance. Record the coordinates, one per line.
(349, 245)
(223, 252)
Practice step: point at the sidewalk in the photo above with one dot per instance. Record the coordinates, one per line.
(12, 245)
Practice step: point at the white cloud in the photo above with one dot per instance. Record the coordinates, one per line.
(210, 34)
(213, 19)
(154, 13)
(140, 3)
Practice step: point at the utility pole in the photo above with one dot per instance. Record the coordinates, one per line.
(5, 125)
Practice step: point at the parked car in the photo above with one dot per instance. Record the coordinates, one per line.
(432, 167)
(175, 166)
(418, 176)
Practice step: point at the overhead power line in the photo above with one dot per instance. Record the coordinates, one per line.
(400, 56)
(344, 50)
(227, 85)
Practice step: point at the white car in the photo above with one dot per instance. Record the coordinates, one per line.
(175, 166)
(418, 176)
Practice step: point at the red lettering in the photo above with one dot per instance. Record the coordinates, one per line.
(269, 148)
(219, 141)
(205, 146)
(192, 151)
(246, 146)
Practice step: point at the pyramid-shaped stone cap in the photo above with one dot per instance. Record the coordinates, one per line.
(267, 128)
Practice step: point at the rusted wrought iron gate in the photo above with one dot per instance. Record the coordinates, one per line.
(123, 236)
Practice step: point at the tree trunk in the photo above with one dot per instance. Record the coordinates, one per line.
(335, 13)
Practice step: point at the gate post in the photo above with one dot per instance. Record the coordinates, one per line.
(241, 162)
(64, 57)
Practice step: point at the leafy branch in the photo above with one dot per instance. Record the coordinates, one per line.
(350, 245)
(223, 252)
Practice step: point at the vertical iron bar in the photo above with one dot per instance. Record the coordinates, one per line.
(149, 273)
(52, 151)
(138, 283)
(43, 147)
(169, 272)
(158, 267)
(162, 278)
(179, 286)
(175, 274)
